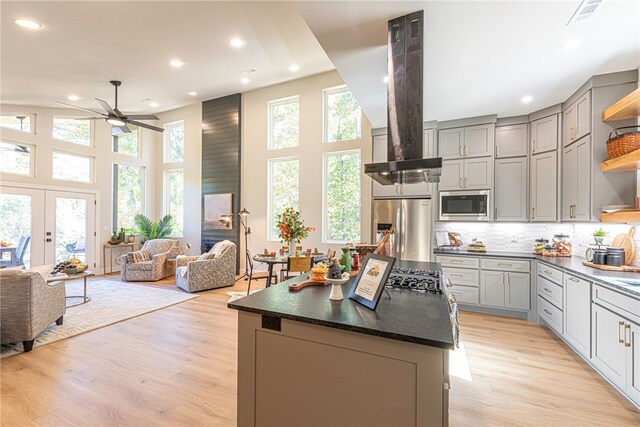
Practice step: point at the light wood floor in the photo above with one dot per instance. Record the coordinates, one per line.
(177, 366)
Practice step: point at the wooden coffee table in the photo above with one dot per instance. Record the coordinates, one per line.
(84, 275)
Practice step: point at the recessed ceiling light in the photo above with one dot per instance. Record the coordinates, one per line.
(153, 104)
(244, 80)
(526, 99)
(176, 63)
(192, 93)
(294, 67)
(73, 98)
(385, 79)
(26, 23)
(236, 42)
(570, 44)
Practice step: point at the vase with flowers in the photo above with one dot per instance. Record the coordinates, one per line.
(291, 228)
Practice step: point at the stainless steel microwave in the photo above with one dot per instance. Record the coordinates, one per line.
(465, 205)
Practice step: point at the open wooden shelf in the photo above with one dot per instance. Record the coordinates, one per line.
(626, 108)
(621, 216)
(628, 162)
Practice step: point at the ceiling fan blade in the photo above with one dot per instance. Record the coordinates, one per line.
(142, 117)
(106, 107)
(118, 112)
(88, 118)
(146, 126)
(79, 108)
(125, 129)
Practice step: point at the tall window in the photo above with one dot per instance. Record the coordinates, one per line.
(70, 167)
(128, 190)
(284, 190)
(16, 158)
(127, 143)
(19, 121)
(72, 130)
(174, 199)
(284, 123)
(174, 142)
(342, 115)
(342, 196)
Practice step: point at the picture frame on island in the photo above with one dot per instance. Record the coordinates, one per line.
(371, 280)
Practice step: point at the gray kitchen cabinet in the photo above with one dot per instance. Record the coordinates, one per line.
(633, 388)
(543, 187)
(609, 351)
(512, 141)
(544, 134)
(466, 174)
(517, 291)
(576, 119)
(492, 292)
(452, 175)
(577, 314)
(576, 181)
(503, 289)
(569, 176)
(479, 140)
(451, 143)
(510, 189)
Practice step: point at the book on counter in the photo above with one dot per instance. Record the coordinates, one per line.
(476, 246)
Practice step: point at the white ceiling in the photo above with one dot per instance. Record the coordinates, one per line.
(481, 57)
(83, 45)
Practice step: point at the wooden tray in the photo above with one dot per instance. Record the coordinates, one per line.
(629, 268)
(305, 283)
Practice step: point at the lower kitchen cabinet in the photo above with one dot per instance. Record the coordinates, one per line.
(464, 294)
(633, 388)
(517, 293)
(577, 314)
(609, 351)
(508, 290)
(492, 290)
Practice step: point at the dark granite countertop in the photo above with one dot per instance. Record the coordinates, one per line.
(421, 318)
(572, 265)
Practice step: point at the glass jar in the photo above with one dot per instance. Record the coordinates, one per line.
(538, 246)
(562, 244)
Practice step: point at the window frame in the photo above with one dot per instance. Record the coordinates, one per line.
(92, 167)
(32, 159)
(165, 142)
(325, 117)
(114, 192)
(92, 129)
(128, 156)
(32, 121)
(166, 193)
(325, 177)
(270, 105)
(270, 223)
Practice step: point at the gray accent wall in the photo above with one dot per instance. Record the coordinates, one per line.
(221, 150)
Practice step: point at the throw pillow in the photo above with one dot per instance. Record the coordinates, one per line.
(138, 256)
(206, 256)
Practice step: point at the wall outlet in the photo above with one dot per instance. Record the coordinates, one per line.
(514, 238)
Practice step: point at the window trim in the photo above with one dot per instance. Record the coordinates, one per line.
(325, 228)
(165, 142)
(92, 130)
(92, 167)
(32, 159)
(127, 156)
(270, 105)
(166, 195)
(32, 119)
(114, 192)
(325, 121)
(270, 223)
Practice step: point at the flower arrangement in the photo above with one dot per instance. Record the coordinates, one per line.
(291, 226)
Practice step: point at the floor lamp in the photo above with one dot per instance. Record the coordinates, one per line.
(242, 216)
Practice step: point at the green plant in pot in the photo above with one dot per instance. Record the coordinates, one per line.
(150, 230)
(131, 234)
(599, 235)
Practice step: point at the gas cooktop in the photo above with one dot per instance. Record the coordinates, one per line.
(415, 280)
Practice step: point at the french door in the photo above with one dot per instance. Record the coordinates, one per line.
(59, 225)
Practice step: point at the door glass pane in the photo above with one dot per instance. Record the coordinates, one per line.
(15, 227)
(71, 228)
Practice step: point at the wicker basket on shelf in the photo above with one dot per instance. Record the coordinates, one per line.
(620, 144)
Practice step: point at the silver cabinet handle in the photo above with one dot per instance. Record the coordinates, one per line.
(496, 151)
(533, 215)
(461, 150)
(627, 327)
(508, 279)
(503, 277)
(534, 145)
(621, 340)
(505, 264)
(547, 311)
(573, 279)
(460, 182)
(455, 275)
(547, 290)
(465, 182)
(496, 216)
(456, 260)
(465, 150)
(548, 272)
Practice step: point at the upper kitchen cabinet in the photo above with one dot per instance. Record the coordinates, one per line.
(479, 140)
(510, 189)
(576, 119)
(544, 134)
(451, 143)
(511, 141)
(576, 181)
(467, 174)
(543, 187)
(466, 138)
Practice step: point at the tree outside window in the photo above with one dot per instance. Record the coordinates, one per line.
(127, 143)
(174, 203)
(342, 115)
(15, 158)
(342, 201)
(19, 121)
(284, 190)
(71, 130)
(127, 195)
(174, 142)
(284, 123)
(69, 167)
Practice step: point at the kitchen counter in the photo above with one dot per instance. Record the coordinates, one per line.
(507, 254)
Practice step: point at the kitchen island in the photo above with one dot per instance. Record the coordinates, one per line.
(305, 359)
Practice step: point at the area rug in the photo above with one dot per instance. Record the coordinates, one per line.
(111, 302)
(237, 295)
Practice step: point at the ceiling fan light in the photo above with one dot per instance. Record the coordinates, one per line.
(115, 121)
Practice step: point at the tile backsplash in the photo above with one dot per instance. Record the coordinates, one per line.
(519, 237)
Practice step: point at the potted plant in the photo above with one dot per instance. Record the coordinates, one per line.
(153, 229)
(131, 237)
(291, 228)
(599, 235)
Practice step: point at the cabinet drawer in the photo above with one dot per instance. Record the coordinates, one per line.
(465, 294)
(621, 304)
(505, 265)
(550, 314)
(461, 276)
(550, 291)
(458, 261)
(550, 273)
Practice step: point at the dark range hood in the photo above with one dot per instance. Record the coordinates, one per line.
(404, 108)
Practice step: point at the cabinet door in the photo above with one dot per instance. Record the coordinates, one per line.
(479, 140)
(379, 156)
(478, 173)
(517, 291)
(511, 141)
(427, 152)
(511, 189)
(577, 314)
(583, 115)
(582, 208)
(492, 288)
(544, 134)
(544, 191)
(450, 143)
(452, 175)
(568, 182)
(633, 389)
(569, 127)
(609, 353)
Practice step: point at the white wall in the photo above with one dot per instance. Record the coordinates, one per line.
(101, 150)
(255, 158)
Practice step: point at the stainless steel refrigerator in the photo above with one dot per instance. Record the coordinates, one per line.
(412, 221)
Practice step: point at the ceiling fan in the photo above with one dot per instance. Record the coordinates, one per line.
(115, 117)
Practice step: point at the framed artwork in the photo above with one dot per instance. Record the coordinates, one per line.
(216, 205)
(371, 280)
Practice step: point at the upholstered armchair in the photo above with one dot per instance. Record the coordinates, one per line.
(214, 269)
(149, 270)
(28, 305)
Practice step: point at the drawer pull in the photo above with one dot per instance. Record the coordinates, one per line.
(455, 275)
(547, 311)
(547, 290)
(573, 279)
(548, 272)
(627, 327)
(456, 260)
(505, 264)
(621, 340)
